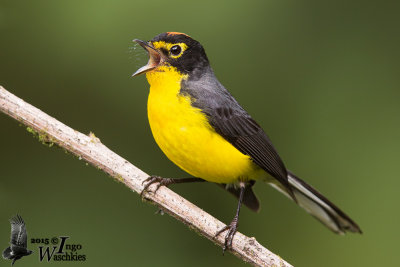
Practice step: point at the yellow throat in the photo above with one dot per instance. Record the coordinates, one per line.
(185, 136)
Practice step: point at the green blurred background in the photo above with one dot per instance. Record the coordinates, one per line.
(321, 77)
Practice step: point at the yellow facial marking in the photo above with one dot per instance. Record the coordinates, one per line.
(167, 46)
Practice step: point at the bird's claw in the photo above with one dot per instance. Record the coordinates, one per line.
(232, 229)
(155, 179)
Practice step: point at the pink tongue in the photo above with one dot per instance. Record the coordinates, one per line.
(154, 60)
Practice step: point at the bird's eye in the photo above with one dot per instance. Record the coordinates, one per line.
(175, 50)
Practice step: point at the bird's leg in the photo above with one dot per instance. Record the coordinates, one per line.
(232, 227)
(166, 182)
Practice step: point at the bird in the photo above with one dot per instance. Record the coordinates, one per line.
(203, 129)
(18, 242)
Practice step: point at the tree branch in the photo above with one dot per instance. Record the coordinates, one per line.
(89, 148)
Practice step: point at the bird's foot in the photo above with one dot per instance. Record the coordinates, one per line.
(156, 179)
(232, 229)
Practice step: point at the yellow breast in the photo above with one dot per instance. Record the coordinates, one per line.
(187, 139)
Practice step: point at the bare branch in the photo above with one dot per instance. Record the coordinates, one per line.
(89, 148)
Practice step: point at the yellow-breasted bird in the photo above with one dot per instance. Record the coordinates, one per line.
(201, 128)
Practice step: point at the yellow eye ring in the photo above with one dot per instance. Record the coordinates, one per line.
(175, 51)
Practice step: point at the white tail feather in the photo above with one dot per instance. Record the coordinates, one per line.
(318, 206)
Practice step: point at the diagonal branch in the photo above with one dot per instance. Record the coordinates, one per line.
(89, 148)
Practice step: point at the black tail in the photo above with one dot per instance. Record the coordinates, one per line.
(319, 206)
(7, 254)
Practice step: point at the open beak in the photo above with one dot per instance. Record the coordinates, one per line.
(155, 58)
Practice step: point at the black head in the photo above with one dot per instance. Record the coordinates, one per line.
(175, 49)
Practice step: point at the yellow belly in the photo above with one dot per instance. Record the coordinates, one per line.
(185, 136)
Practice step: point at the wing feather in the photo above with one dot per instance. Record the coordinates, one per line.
(18, 232)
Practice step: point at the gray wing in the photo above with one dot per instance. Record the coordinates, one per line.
(18, 232)
(235, 125)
